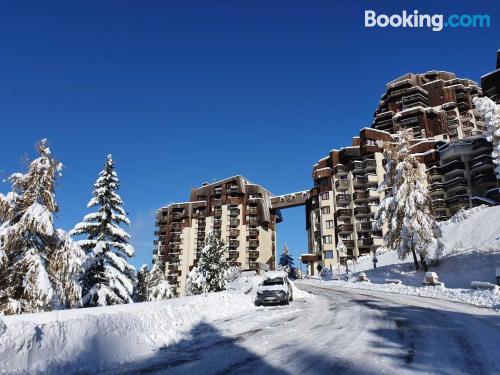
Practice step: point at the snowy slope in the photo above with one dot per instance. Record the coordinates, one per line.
(94, 339)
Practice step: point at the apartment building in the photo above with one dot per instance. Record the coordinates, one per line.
(345, 198)
(461, 174)
(234, 209)
(491, 82)
(431, 104)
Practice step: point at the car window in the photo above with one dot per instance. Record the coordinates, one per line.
(274, 281)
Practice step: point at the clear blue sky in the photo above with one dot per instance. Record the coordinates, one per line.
(182, 92)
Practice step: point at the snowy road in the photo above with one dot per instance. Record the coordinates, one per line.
(340, 331)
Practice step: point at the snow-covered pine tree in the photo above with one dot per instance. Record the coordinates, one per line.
(406, 208)
(208, 274)
(286, 262)
(491, 114)
(341, 248)
(109, 279)
(28, 237)
(158, 287)
(140, 290)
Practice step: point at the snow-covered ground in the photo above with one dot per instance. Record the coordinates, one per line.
(471, 253)
(101, 338)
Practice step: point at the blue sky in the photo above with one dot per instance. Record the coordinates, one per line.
(171, 88)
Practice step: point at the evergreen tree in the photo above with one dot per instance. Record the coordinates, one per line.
(158, 287)
(406, 208)
(141, 288)
(30, 246)
(286, 262)
(491, 114)
(109, 278)
(208, 274)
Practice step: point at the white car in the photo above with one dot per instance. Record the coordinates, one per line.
(274, 289)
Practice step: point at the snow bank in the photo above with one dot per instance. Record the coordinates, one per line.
(481, 298)
(96, 339)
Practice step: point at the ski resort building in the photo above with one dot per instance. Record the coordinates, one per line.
(233, 209)
(448, 141)
(431, 104)
(491, 82)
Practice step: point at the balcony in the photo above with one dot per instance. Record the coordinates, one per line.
(252, 210)
(373, 193)
(362, 211)
(253, 243)
(481, 162)
(217, 203)
(234, 243)
(253, 254)
(218, 191)
(340, 169)
(234, 212)
(436, 187)
(357, 167)
(253, 232)
(439, 204)
(175, 225)
(345, 228)
(365, 242)
(370, 164)
(253, 265)
(359, 181)
(234, 222)
(342, 184)
(360, 195)
(460, 200)
(456, 183)
(343, 199)
(234, 232)
(344, 212)
(483, 178)
(217, 223)
(371, 179)
(234, 254)
(218, 212)
(177, 215)
(455, 165)
(234, 189)
(363, 227)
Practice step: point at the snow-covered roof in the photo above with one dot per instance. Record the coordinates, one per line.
(273, 274)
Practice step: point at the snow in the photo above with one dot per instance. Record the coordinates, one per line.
(471, 254)
(95, 339)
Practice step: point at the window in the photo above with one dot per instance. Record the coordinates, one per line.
(345, 237)
(329, 254)
(325, 196)
(327, 239)
(325, 210)
(329, 224)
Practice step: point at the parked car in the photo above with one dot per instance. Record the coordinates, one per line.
(274, 289)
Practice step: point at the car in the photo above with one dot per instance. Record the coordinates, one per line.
(275, 289)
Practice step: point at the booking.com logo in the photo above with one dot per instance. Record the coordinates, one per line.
(436, 22)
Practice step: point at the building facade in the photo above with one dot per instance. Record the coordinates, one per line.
(233, 209)
(491, 82)
(430, 104)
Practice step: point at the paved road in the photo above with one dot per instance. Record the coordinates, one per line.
(341, 331)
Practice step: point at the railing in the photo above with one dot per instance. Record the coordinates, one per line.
(360, 195)
(342, 184)
(362, 211)
(456, 182)
(344, 212)
(346, 228)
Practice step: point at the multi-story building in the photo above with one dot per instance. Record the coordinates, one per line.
(233, 209)
(431, 104)
(345, 198)
(461, 174)
(491, 82)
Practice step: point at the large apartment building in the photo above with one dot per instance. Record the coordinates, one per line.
(431, 104)
(491, 82)
(233, 209)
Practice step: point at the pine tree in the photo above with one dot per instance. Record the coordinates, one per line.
(109, 278)
(208, 274)
(406, 208)
(141, 288)
(491, 114)
(286, 262)
(158, 287)
(28, 237)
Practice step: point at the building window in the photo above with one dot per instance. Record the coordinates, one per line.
(325, 196)
(329, 224)
(325, 210)
(329, 254)
(345, 237)
(327, 239)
